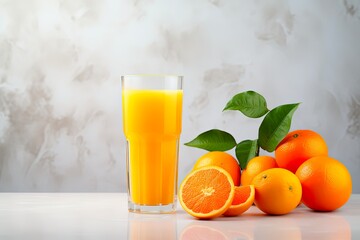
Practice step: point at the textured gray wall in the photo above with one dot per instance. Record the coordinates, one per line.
(61, 62)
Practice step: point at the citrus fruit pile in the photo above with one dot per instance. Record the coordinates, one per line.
(300, 172)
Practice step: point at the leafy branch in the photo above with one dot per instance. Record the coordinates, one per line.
(273, 128)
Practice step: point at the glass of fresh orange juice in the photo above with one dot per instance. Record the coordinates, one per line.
(152, 112)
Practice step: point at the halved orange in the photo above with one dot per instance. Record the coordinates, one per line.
(243, 200)
(207, 192)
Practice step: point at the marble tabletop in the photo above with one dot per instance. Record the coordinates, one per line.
(105, 216)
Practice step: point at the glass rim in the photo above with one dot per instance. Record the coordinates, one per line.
(152, 75)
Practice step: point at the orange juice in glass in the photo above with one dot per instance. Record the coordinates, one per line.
(152, 110)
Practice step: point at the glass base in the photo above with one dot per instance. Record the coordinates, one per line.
(136, 208)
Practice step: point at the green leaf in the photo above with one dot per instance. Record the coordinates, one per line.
(275, 126)
(245, 151)
(250, 103)
(213, 140)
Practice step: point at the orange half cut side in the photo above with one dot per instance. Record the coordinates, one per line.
(243, 200)
(207, 192)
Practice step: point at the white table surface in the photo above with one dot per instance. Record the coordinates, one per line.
(105, 216)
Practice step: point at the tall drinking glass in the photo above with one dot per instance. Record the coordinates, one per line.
(152, 111)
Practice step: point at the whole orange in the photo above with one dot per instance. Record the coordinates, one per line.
(277, 191)
(255, 166)
(223, 160)
(326, 183)
(297, 147)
